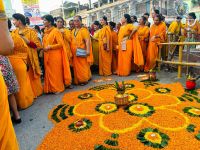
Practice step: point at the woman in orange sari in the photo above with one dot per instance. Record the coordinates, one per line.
(18, 59)
(105, 48)
(8, 140)
(143, 36)
(95, 42)
(126, 37)
(157, 35)
(30, 37)
(56, 62)
(114, 47)
(81, 52)
(67, 36)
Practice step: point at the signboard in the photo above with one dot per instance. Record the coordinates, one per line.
(32, 10)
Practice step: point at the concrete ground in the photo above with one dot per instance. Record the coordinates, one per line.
(35, 123)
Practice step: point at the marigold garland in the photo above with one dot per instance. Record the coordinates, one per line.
(174, 114)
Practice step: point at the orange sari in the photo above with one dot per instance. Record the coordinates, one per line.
(114, 51)
(81, 65)
(18, 60)
(56, 63)
(152, 52)
(124, 56)
(33, 61)
(67, 36)
(105, 57)
(8, 140)
(143, 33)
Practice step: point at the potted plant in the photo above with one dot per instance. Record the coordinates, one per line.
(152, 75)
(120, 87)
(190, 82)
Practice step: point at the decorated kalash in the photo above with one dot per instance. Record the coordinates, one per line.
(127, 115)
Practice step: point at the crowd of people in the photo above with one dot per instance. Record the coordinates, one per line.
(64, 56)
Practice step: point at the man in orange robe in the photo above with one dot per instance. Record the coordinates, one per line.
(30, 37)
(157, 35)
(105, 49)
(114, 47)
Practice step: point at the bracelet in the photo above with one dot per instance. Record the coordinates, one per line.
(3, 15)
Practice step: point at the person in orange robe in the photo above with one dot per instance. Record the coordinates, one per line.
(18, 60)
(56, 62)
(81, 63)
(8, 140)
(30, 37)
(67, 36)
(126, 37)
(143, 36)
(157, 35)
(114, 47)
(105, 49)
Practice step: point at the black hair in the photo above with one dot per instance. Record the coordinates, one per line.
(42, 30)
(20, 17)
(159, 17)
(61, 19)
(193, 15)
(96, 23)
(27, 21)
(9, 24)
(135, 18)
(37, 28)
(144, 19)
(178, 17)
(112, 24)
(49, 18)
(157, 11)
(79, 17)
(105, 18)
(146, 14)
(128, 18)
(71, 20)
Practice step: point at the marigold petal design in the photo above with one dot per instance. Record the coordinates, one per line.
(168, 119)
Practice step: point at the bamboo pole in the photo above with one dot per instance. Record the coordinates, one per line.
(180, 59)
(180, 43)
(159, 57)
(178, 63)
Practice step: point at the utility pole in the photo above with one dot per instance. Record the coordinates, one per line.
(63, 13)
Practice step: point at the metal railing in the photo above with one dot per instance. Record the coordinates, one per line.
(180, 62)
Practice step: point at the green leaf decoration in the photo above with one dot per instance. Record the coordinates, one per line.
(98, 108)
(149, 113)
(181, 99)
(102, 87)
(134, 99)
(162, 90)
(129, 86)
(70, 111)
(85, 96)
(73, 127)
(141, 137)
(114, 135)
(187, 110)
(62, 113)
(197, 136)
(101, 147)
(111, 142)
(191, 128)
(194, 97)
(194, 92)
(187, 97)
(55, 112)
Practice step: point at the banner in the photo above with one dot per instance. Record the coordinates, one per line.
(32, 11)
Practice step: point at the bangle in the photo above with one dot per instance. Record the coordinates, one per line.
(3, 15)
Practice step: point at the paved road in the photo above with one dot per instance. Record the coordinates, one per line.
(35, 121)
